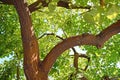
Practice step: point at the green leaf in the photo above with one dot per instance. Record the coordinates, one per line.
(52, 6)
(55, 1)
(88, 18)
(112, 12)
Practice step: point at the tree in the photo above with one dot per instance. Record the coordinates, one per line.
(37, 69)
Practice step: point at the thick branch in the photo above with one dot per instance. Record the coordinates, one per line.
(76, 55)
(108, 32)
(84, 39)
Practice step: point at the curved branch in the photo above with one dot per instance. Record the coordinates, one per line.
(76, 55)
(84, 39)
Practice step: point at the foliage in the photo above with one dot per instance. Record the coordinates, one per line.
(65, 23)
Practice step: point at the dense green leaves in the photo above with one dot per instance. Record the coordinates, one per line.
(52, 6)
(10, 42)
(65, 23)
(9, 30)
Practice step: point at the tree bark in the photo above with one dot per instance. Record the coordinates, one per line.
(32, 65)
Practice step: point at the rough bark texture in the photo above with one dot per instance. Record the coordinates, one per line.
(32, 66)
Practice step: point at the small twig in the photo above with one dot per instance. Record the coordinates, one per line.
(76, 56)
(50, 34)
(64, 33)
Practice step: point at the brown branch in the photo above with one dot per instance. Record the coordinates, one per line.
(9, 2)
(84, 56)
(76, 55)
(64, 45)
(83, 78)
(107, 33)
(36, 5)
(71, 6)
(84, 39)
(106, 78)
(102, 3)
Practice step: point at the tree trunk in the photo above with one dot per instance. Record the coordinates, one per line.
(32, 64)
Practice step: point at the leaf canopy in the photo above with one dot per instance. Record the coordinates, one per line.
(53, 19)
